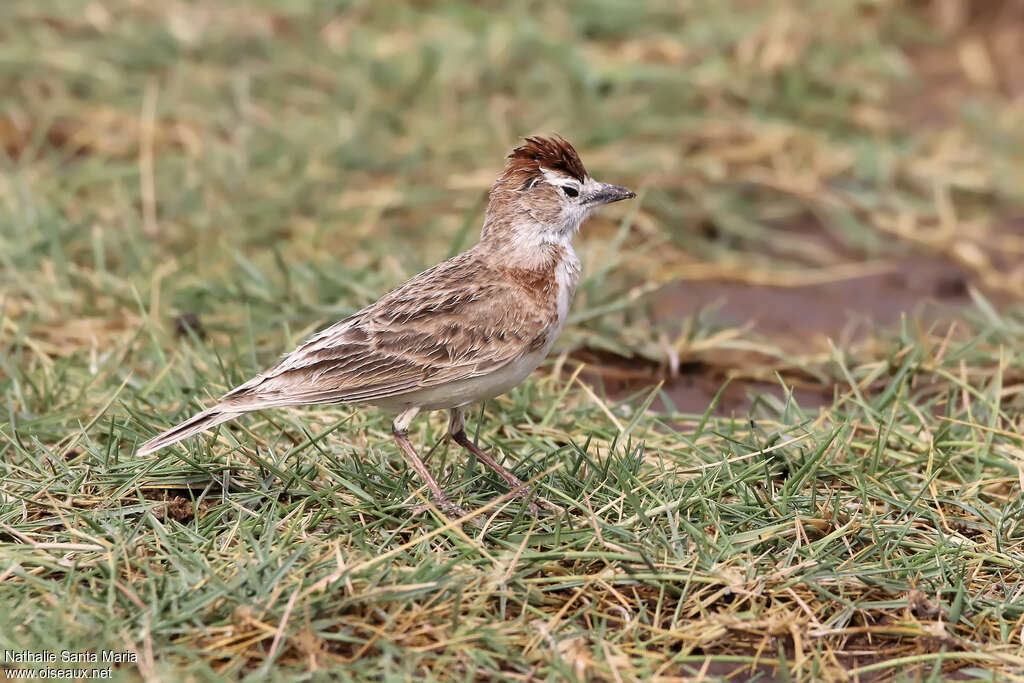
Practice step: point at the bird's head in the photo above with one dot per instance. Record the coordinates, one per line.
(545, 193)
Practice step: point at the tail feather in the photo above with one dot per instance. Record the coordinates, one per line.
(199, 422)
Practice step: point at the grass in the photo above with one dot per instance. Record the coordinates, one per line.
(188, 190)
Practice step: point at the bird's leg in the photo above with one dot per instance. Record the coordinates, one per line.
(457, 430)
(400, 428)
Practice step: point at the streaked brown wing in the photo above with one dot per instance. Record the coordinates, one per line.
(446, 324)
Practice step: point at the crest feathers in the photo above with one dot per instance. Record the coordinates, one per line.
(553, 153)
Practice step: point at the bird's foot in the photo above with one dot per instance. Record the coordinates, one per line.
(535, 503)
(447, 507)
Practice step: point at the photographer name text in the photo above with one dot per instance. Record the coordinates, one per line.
(69, 656)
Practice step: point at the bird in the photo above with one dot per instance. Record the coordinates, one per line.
(466, 330)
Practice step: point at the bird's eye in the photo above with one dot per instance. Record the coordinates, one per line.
(570, 191)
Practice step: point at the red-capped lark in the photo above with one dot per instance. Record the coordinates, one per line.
(464, 331)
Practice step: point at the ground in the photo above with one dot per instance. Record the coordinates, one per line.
(783, 423)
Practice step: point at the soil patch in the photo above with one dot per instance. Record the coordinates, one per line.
(696, 385)
(796, 317)
(801, 320)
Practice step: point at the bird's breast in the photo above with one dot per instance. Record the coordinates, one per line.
(567, 276)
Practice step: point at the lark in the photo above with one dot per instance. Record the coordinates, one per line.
(464, 331)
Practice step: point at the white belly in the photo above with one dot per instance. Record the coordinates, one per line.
(470, 390)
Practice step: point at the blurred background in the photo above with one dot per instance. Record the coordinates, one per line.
(804, 167)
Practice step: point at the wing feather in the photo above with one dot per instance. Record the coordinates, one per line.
(449, 323)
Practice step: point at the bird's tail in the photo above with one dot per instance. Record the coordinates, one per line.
(200, 422)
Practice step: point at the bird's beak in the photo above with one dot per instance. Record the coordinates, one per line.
(606, 194)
